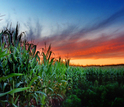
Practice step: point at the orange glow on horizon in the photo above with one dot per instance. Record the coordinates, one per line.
(100, 51)
(101, 61)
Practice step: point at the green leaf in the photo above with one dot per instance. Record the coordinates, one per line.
(4, 85)
(60, 96)
(18, 84)
(3, 53)
(43, 100)
(36, 55)
(35, 78)
(16, 99)
(40, 92)
(14, 105)
(14, 91)
(10, 75)
(50, 89)
(29, 48)
(44, 58)
(51, 61)
(34, 50)
(49, 55)
(36, 97)
(4, 101)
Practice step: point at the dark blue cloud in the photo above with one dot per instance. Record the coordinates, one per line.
(72, 33)
(1, 16)
(34, 31)
(112, 19)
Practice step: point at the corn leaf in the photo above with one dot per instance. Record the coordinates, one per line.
(14, 91)
(10, 75)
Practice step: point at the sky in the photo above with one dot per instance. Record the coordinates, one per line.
(88, 32)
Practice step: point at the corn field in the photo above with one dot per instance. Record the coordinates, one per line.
(26, 81)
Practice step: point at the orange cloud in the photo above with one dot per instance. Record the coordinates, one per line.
(71, 41)
(102, 47)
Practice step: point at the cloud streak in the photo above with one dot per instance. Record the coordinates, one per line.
(102, 47)
(34, 31)
(106, 22)
(67, 41)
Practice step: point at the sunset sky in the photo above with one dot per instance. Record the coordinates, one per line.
(86, 31)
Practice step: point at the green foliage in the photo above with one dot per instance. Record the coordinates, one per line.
(24, 81)
(72, 101)
(21, 74)
(96, 87)
(3, 53)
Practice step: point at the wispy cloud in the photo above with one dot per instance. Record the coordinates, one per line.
(105, 23)
(98, 48)
(1, 16)
(67, 41)
(34, 31)
(14, 11)
(102, 47)
(74, 32)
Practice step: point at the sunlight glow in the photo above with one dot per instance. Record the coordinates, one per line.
(104, 61)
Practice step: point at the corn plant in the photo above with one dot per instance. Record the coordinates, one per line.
(22, 61)
(3, 53)
(4, 83)
(13, 90)
(11, 36)
(67, 62)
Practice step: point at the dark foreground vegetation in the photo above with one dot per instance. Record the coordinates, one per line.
(25, 81)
